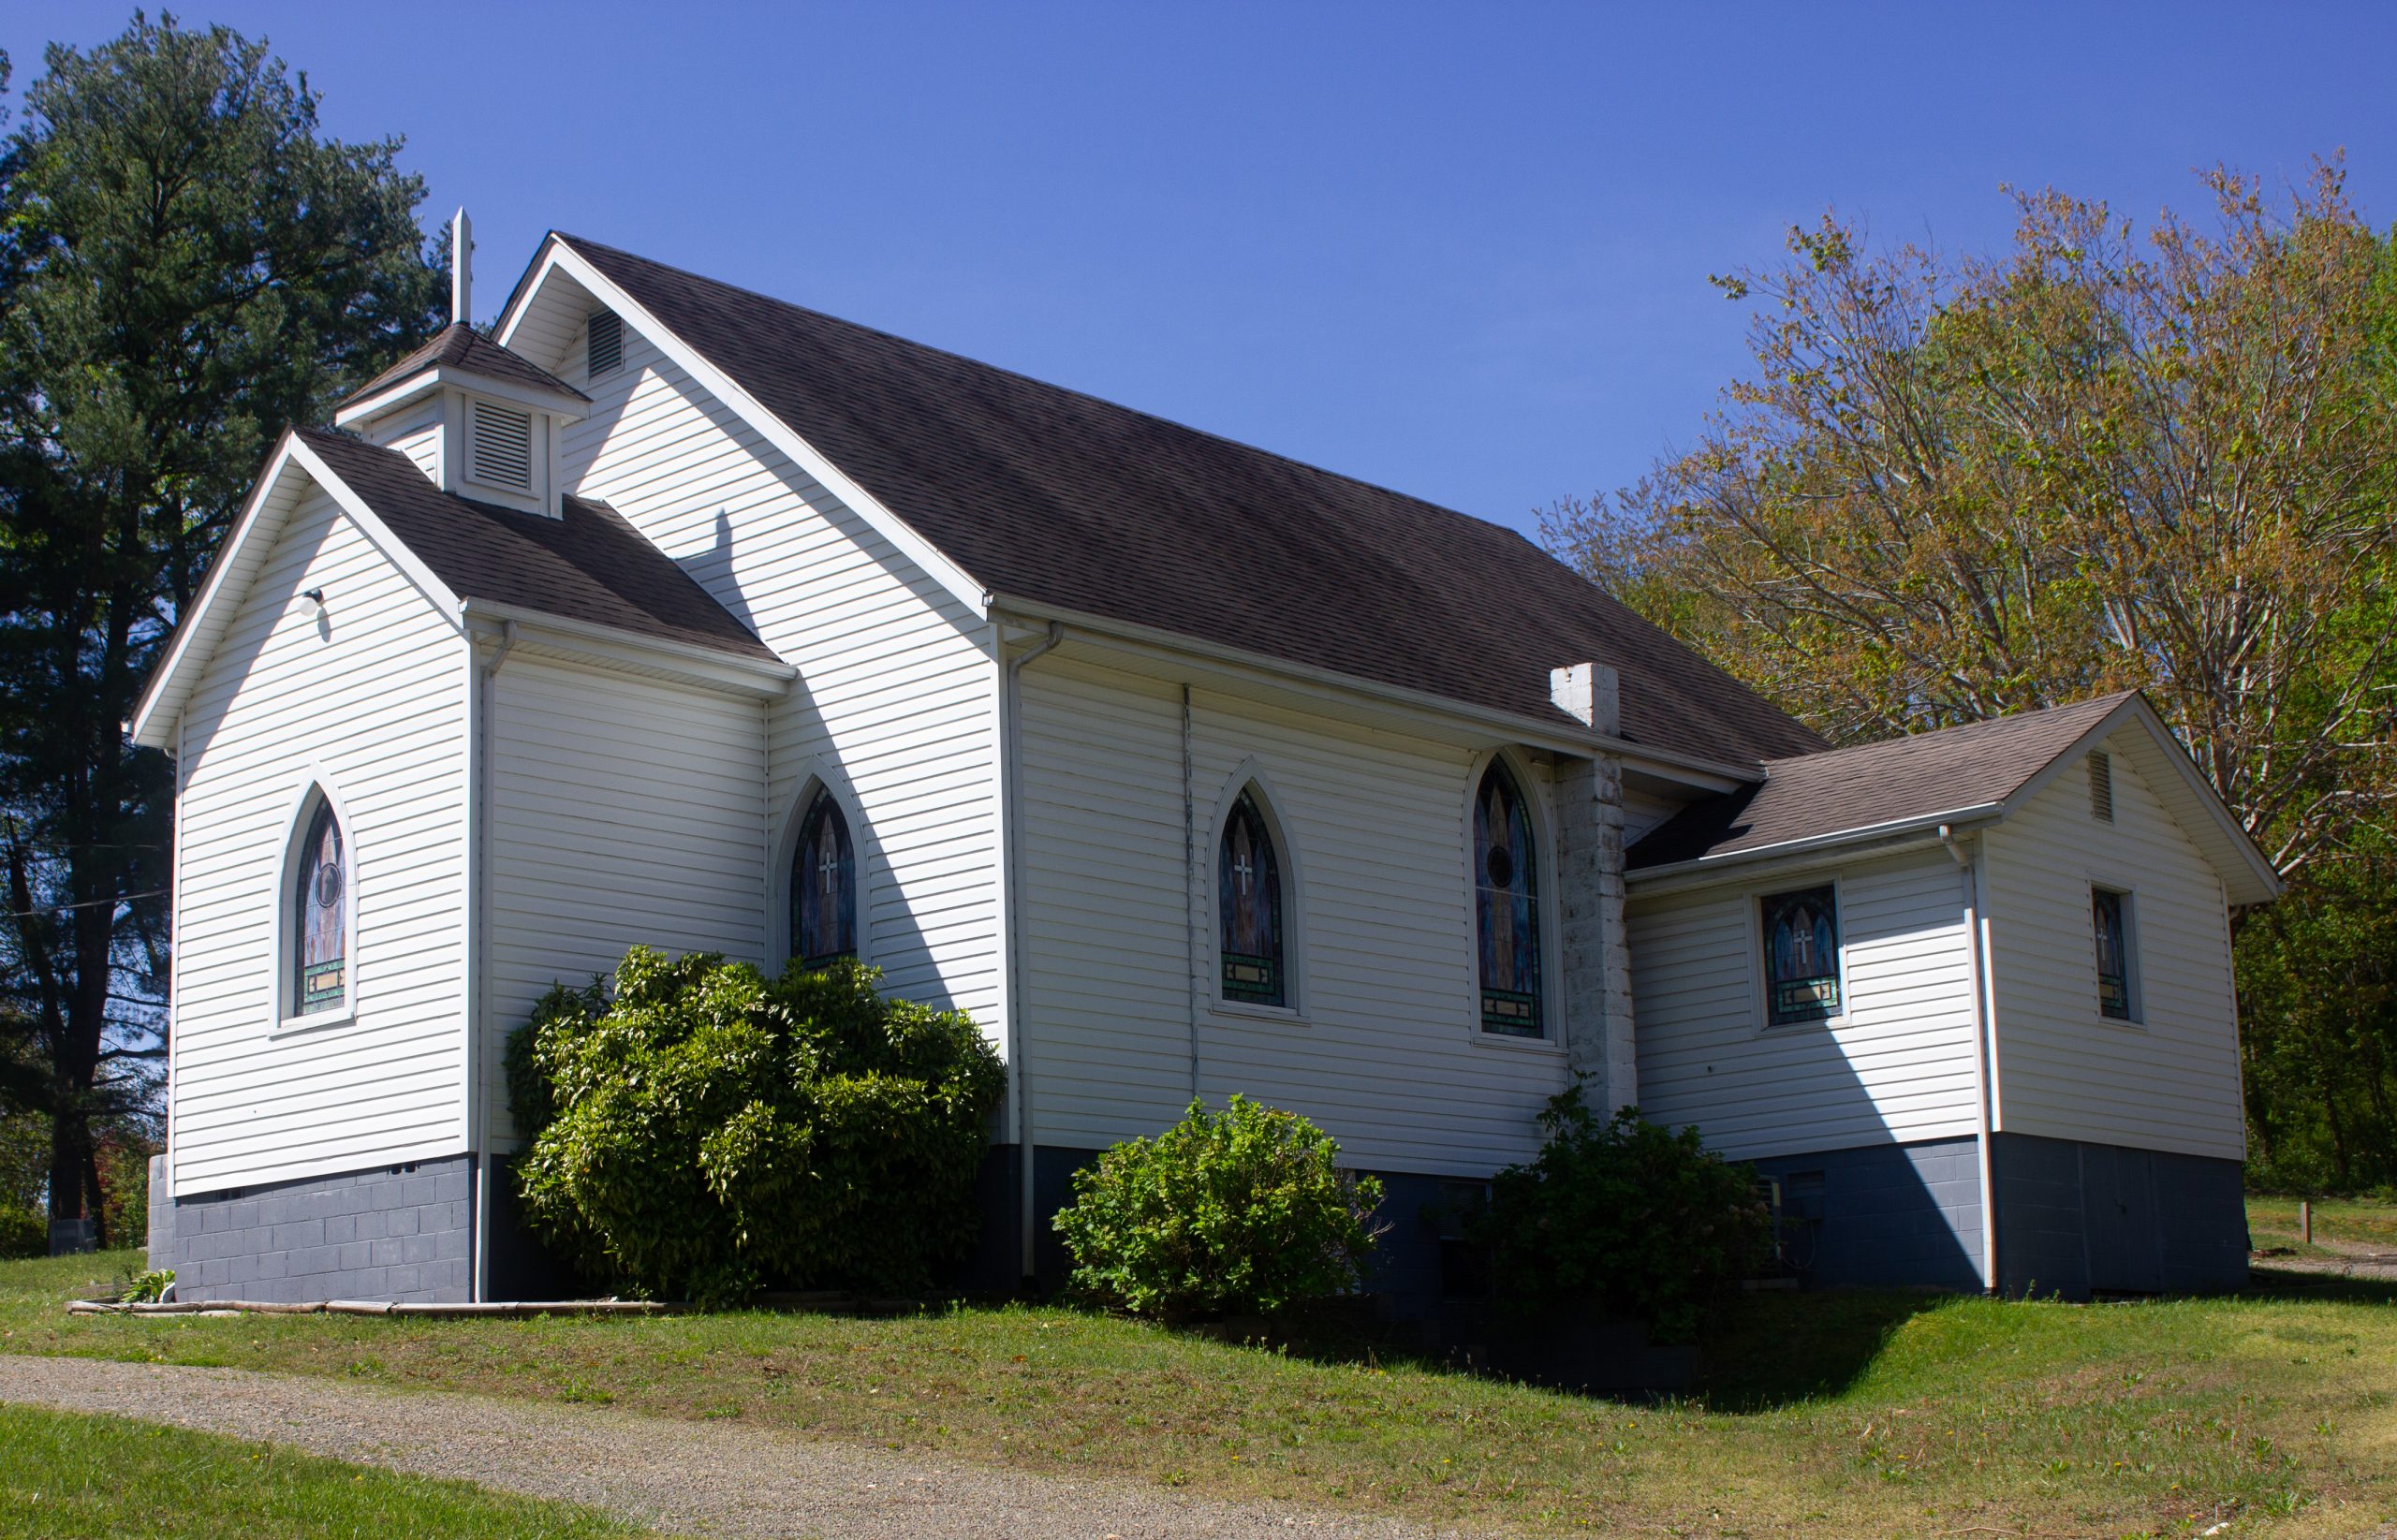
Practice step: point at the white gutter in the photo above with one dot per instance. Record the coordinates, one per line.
(1984, 1070)
(610, 643)
(1019, 1074)
(1979, 813)
(1554, 733)
(480, 790)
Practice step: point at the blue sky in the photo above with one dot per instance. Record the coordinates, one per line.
(1461, 250)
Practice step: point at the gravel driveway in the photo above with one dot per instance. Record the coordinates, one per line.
(712, 1478)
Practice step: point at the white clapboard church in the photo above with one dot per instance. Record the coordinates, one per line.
(672, 613)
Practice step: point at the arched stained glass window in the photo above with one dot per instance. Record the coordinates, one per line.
(823, 885)
(1248, 889)
(320, 917)
(1801, 956)
(1505, 868)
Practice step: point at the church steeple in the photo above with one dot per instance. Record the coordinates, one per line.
(478, 420)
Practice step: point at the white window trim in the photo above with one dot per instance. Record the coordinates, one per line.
(1294, 922)
(1751, 899)
(298, 811)
(2132, 963)
(1551, 1042)
(820, 774)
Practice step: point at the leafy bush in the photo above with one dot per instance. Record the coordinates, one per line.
(1232, 1213)
(143, 1288)
(24, 1231)
(696, 1129)
(1624, 1216)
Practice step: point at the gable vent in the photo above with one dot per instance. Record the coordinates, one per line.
(503, 446)
(607, 344)
(2101, 787)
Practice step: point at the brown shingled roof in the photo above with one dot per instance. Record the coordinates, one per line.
(1054, 498)
(461, 347)
(1896, 781)
(589, 566)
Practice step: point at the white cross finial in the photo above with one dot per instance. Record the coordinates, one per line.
(462, 269)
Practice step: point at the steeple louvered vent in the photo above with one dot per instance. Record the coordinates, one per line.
(502, 447)
(2101, 787)
(607, 344)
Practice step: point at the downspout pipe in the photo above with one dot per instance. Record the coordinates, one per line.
(1019, 1072)
(1189, 890)
(1968, 862)
(486, 705)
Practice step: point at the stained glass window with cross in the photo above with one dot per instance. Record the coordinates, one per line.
(1801, 956)
(823, 885)
(320, 917)
(1248, 887)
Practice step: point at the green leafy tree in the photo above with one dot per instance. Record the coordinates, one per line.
(698, 1129)
(2317, 1003)
(187, 265)
(1954, 487)
(1237, 1212)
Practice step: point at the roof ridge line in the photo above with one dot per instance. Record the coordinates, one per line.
(1064, 390)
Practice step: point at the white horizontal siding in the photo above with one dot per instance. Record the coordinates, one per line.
(1386, 1057)
(1897, 1067)
(897, 702)
(371, 691)
(415, 430)
(621, 811)
(2169, 1082)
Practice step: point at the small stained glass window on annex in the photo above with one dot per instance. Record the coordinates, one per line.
(1801, 956)
(823, 885)
(1248, 884)
(320, 918)
(1505, 867)
(2113, 954)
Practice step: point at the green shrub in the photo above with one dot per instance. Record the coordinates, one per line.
(697, 1131)
(1232, 1213)
(24, 1232)
(1623, 1215)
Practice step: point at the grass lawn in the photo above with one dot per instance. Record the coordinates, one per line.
(81, 1477)
(2271, 1221)
(1827, 1414)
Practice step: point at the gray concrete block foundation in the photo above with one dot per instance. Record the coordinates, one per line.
(402, 1233)
(1883, 1215)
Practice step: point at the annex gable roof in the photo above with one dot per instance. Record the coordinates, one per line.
(1982, 771)
(588, 567)
(1051, 499)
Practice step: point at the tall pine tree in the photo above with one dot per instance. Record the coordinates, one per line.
(187, 264)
